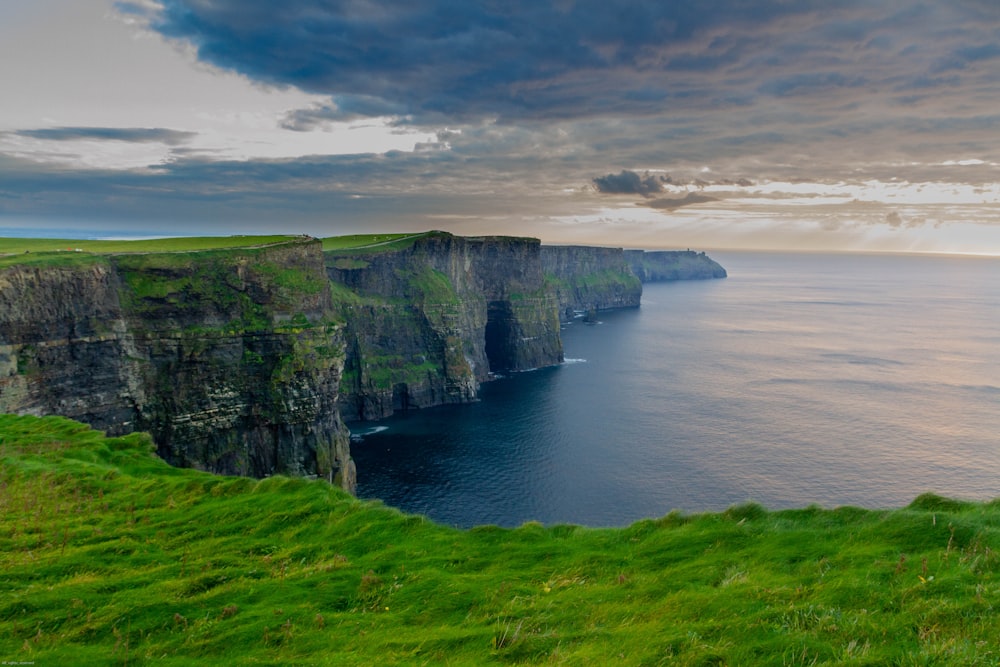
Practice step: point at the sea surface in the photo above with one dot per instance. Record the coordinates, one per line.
(801, 379)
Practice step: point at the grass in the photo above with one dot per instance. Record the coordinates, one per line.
(175, 282)
(109, 556)
(68, 252)
(605, 279)
(178, 244)
(371, 242)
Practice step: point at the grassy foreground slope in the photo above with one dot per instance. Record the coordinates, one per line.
(109, 556)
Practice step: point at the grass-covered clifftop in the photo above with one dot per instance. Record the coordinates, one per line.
(111, 557)
(27, 250)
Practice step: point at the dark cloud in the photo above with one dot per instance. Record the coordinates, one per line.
(630, 183)
(644, 82)
(143, 135)
(670, 203)
(757, 85)
(458, 59)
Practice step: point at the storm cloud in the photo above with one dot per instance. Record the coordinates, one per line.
(462, 61)
(756, 90)
(629, 182)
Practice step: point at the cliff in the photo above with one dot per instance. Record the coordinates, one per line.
(430, 317)
(240, 360)
(587, 279)
(230, 359)
(661, 265)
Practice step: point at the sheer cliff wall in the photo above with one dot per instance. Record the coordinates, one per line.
(230, 359)
(428, 320)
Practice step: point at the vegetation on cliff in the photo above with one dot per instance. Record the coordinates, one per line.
(227, 350)
(112, 557)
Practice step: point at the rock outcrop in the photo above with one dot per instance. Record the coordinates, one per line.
(430, 318)
(230, 359)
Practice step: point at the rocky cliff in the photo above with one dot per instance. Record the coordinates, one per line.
(241, 361)
(230, 359)
(661, 265)
(430, 318)
(587, 279)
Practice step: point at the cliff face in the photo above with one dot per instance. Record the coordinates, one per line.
(659, 265)
(230, 359)
(428, 321)
(587, 279)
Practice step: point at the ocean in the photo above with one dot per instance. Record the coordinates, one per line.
(802, 379)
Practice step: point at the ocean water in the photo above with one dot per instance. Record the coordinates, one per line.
(801, 379)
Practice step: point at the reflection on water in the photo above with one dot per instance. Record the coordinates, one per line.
(801, 379)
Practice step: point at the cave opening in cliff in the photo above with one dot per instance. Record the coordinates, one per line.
(500, 346)
(401, 397)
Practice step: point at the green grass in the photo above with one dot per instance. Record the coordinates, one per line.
(110, 557)
(371, 242)
(76, 251)
(187, 281)
(178, 244)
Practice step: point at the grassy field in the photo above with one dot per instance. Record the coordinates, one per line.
(368, 243)
(179, 244)
(68, 251)
(110, 557)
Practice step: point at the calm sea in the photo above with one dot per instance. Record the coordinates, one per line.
(801, 379)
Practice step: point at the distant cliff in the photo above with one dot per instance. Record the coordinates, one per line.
(230, 359)
(431, 317)
(586, 278)
(660, 265)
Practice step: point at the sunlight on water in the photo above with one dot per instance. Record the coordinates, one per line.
(829, 379)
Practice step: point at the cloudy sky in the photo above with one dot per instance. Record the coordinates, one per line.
(829, 124)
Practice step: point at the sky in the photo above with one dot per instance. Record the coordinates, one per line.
(869, 125)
